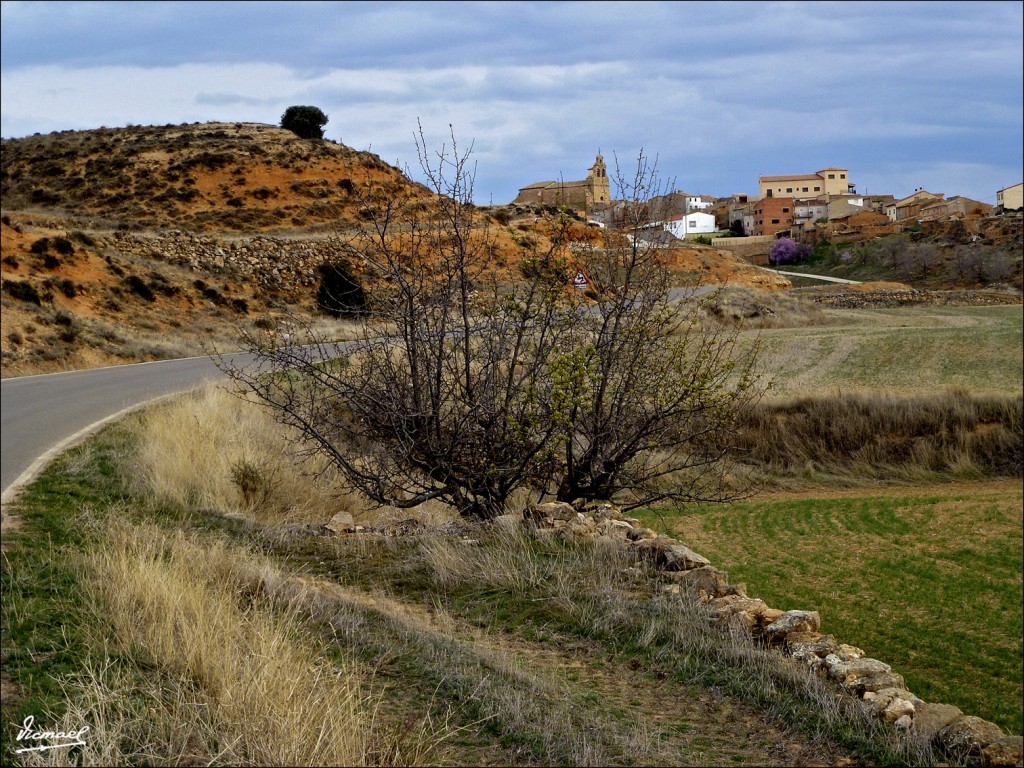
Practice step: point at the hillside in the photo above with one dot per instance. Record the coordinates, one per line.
(143, 243)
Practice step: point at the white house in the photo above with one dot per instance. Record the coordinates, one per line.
(693, 223)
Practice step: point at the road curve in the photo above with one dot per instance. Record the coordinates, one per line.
(42, 415)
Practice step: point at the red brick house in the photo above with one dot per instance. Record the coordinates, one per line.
(773, 215)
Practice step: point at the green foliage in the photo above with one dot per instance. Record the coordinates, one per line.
(305, 121)
(340, 294)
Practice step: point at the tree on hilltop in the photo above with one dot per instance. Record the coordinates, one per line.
(307, 122)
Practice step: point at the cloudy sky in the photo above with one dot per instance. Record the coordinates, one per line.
(904, 94)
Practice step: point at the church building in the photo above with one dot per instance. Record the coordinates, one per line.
(579, 195)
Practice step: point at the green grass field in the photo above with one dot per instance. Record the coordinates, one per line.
(925, 579)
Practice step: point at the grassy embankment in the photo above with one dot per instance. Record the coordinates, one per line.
(503, 651)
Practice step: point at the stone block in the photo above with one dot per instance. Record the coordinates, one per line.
(1006, 751)
(792, 621)
(932, 718)
(967, 736)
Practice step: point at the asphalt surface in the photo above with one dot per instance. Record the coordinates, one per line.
(42, 415)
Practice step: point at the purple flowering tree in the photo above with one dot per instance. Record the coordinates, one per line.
(786, 251)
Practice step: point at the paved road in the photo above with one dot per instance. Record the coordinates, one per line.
(819, 277)
(41, 415)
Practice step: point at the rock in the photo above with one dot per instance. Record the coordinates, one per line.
(614, 529)
(1008, 750)
(874, 682)
(847, 671)
(581, 528)
(705, 582)
(904, 723)
(738, 612)
(849, 652)
(791, 621)
(681, 558)
(968, 736)
(556, 510)
(932, 718)
(770, 614)
(802, 645)
(342, 522)
(639, 533)
(896, 709)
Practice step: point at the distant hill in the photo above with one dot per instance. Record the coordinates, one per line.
(239, 177)
(148, 242)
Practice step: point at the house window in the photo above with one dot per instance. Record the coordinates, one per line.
(775, 221)
(817, 189)
(785, 210)
(789, 189)
(769, 193)
(805, 189)
(831, 175)
(842, 175)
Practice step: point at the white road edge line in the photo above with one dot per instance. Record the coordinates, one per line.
(12, 491)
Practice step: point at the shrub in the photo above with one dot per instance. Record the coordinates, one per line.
(63, 246)
(40, 246)
(50, 261)
(23, 291)
(339, 292)
(305, 121)
(138, 286)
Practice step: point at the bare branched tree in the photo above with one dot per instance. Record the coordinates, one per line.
(467, 388)
(657, 393)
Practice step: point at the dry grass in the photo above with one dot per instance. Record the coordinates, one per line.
(214, 451)
(207, 664)
(884, 435)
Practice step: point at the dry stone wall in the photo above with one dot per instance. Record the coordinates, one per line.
(271, 263)
(797, 634)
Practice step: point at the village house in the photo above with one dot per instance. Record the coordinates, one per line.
(908, 207)
(953, 207)
(582, 196)
(827, 181)
(693, 223)
(771, 215)
(838, 207)
(1011, 198)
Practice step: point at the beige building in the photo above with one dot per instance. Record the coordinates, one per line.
(953, 207)
(580, 195)
(826, 182)
(1011, 198)
(910, 206)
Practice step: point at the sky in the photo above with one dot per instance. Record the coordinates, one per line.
(905, 95)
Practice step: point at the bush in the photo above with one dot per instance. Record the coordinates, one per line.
(63, 246)
(138, 286)
(22, 291)
(339, 292)
(307, 122)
